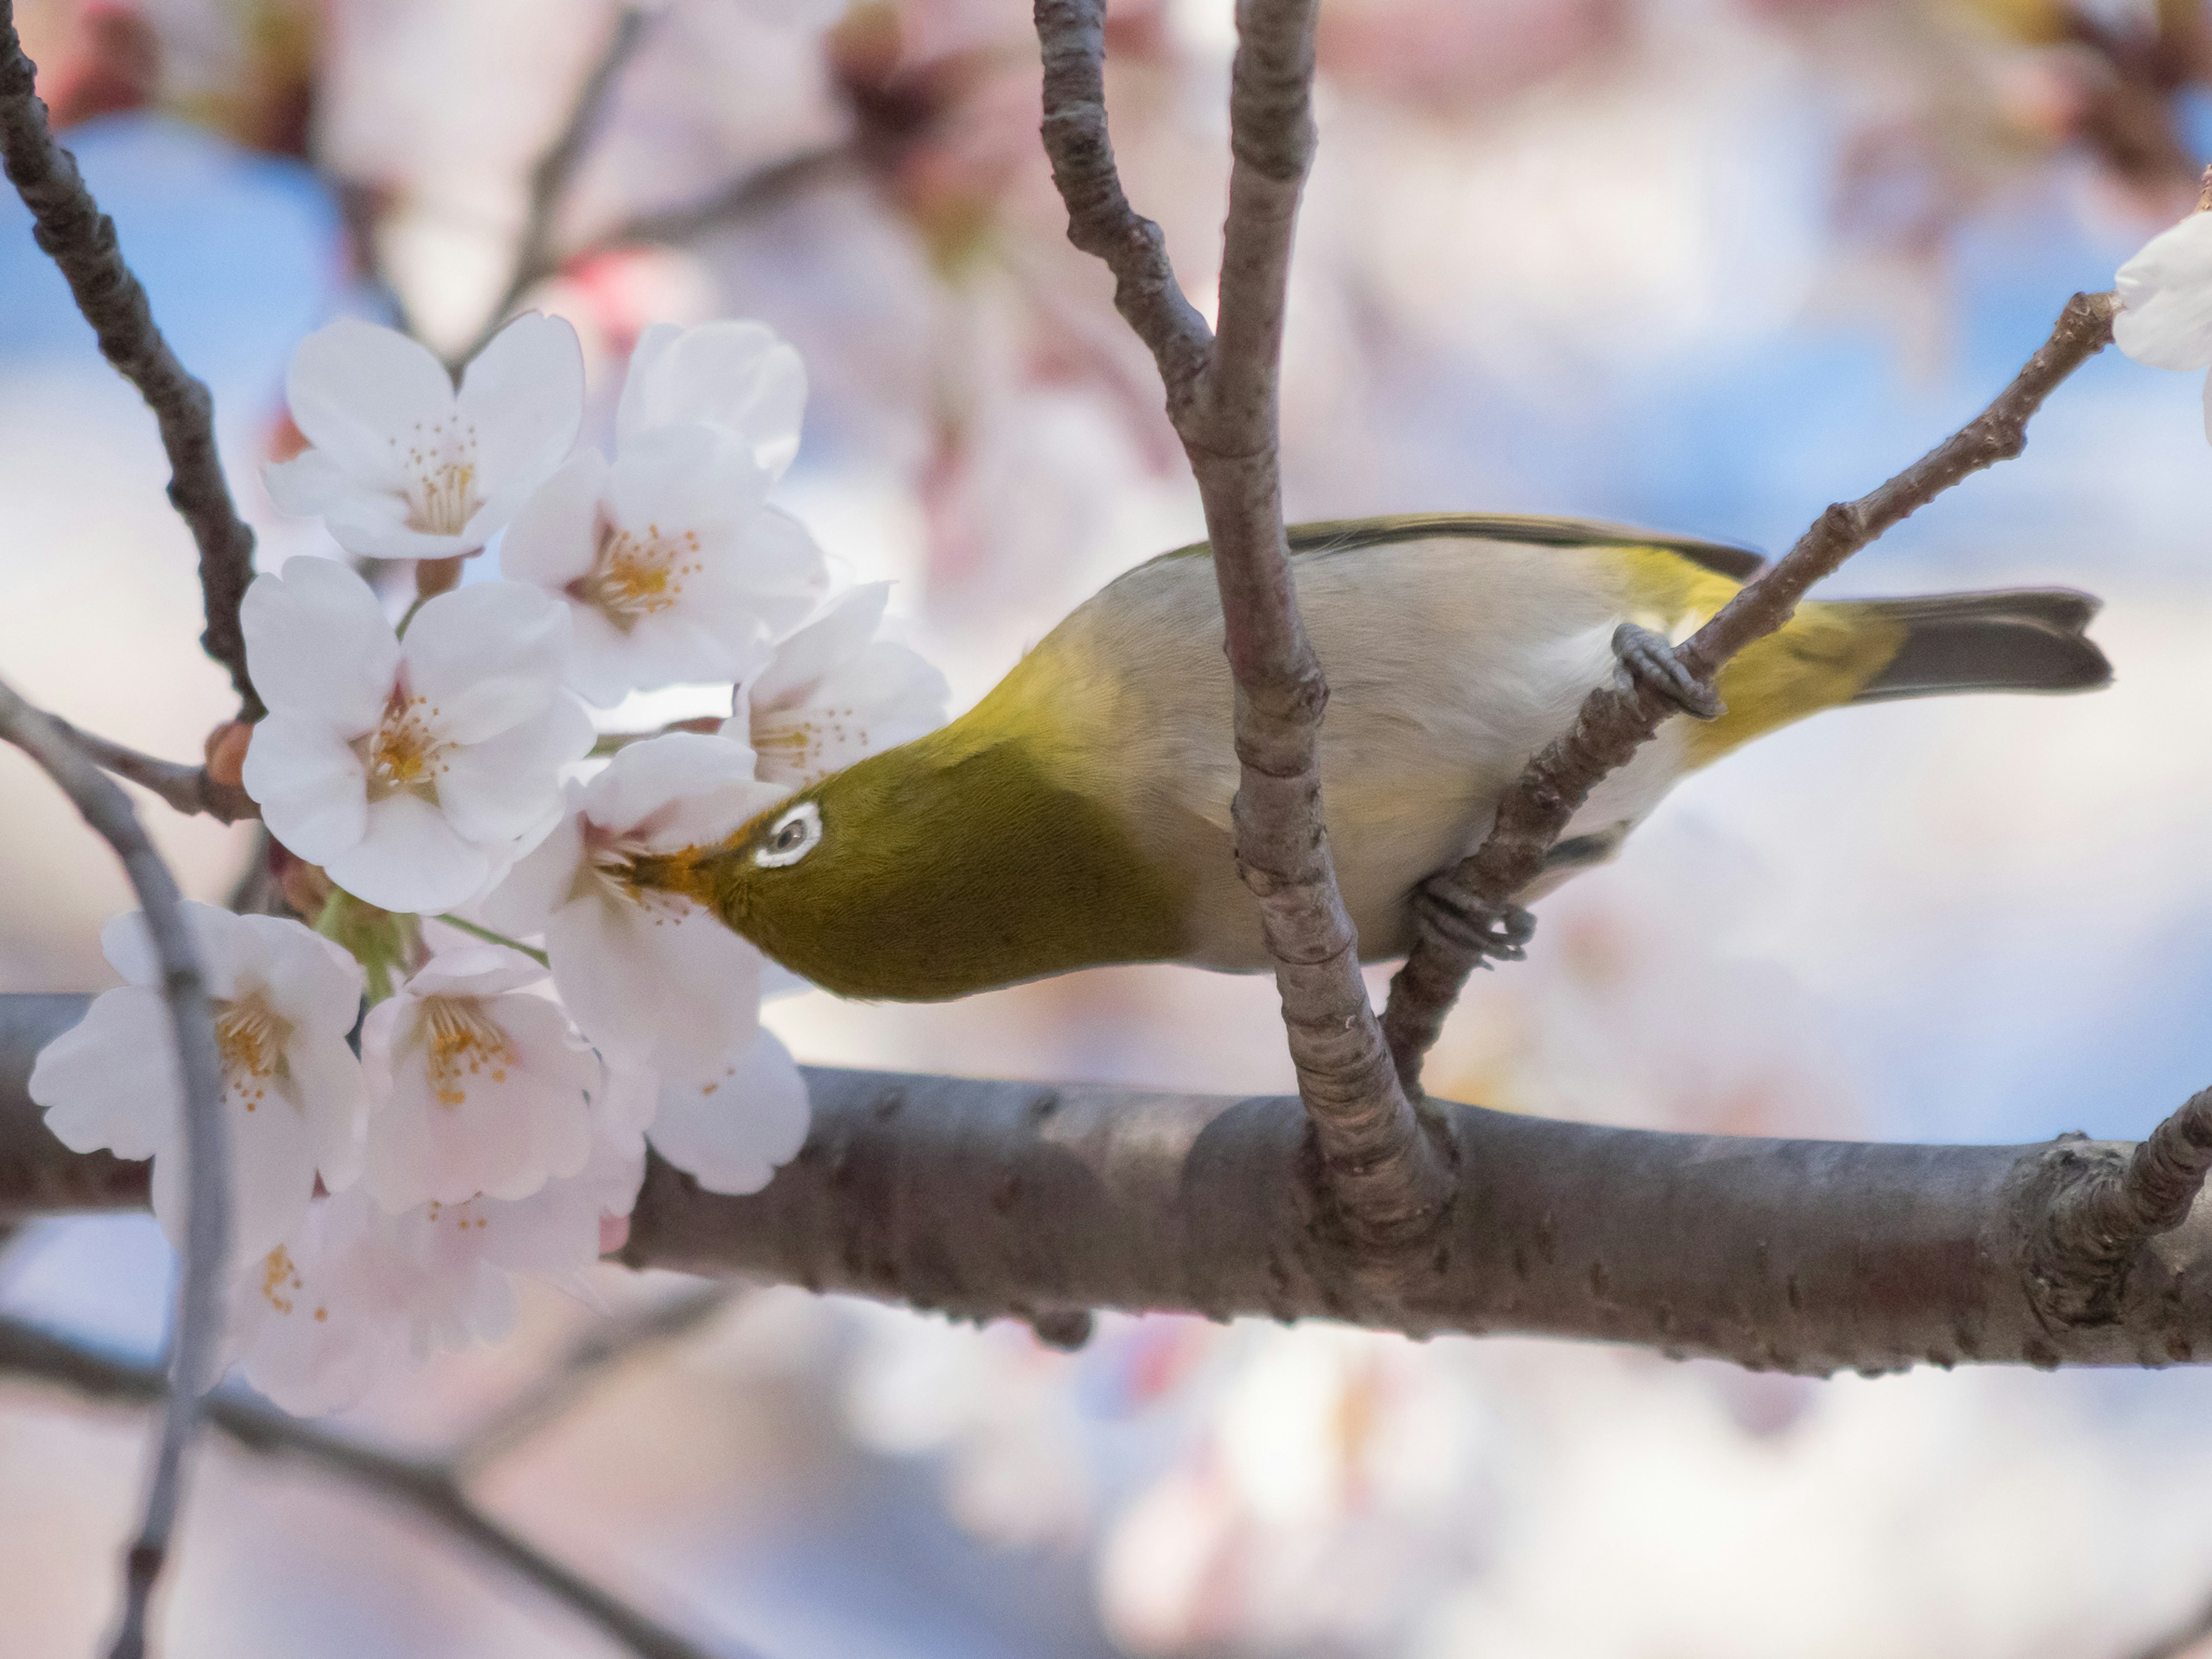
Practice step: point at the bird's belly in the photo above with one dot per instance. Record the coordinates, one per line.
(1393, 824)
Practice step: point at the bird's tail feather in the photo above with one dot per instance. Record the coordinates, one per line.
(2029, 638)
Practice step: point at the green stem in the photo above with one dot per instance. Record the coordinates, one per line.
(490, 938)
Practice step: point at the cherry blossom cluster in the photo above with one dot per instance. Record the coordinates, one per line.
(531, 1021)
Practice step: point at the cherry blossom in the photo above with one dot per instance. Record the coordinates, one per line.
(481, 1088)
(2164, 318)
(656, 981)
(401, 466)
(731, 1129)
(672, 565)
(735, 377)
(357, 1295)
(412, 770)
(835, 693)
(283, 1002)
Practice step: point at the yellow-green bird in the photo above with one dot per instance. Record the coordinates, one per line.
(1078, 815)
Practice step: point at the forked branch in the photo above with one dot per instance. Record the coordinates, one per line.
(1384, 1177)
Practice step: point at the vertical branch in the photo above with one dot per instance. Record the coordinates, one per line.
(1389, 1181)
(81, 240)
(207, 1226)
(1614, 721)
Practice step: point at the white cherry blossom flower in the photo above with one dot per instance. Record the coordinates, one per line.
(284, 1000)
(736, 377)
(671, 564)
(357, 1295)
(401, 466)
(412, 770)
(656, 981)
(2164, 318)
(835, 694)
(480, 1087)
(731, 1130)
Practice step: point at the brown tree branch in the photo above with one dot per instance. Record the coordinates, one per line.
(1038, 1202)
(189, 789)
(756, 192)
(1386, 1176)
(199, 1326)
(427, 1491)
(81, 240)
(1614, 721)
(549, 179)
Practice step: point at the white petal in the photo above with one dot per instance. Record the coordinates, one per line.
(111, 1080)
(844, 628)
(682, 789)
(730, 1132)
(542, 880)
(2165, 298)
(475, 971)
(738, 375)
(556, 537)
(780, 564)
(318, 645)
(354, 388)
(332, 1097)
(308, 484)
(503, 787)
(684, 478)
(409, 858)
(487, 657)
(312, 788)
(524, 394)
(664, 985)
(312, 982)
(271, 1148)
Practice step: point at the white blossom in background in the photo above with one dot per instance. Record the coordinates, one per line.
(400, 466)
(480, 1086)
(670, 995)
(674, 566)
(833, 693)
(412, 770)
(2165, 318)
(283, 1001)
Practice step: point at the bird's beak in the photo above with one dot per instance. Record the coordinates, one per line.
(688, 872)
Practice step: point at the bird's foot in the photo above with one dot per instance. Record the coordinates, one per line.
(1649, 659)
(1485, 932)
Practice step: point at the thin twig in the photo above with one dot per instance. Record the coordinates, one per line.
(549, 179)
(425, 1489)
(756, 192)
(81, 240)
(2102, 1210)
(1386, 1176)
(187, 788)
(1614, 721)
(207, 1222)
(586, 1364)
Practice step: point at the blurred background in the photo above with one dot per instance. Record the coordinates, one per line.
(1701, 265)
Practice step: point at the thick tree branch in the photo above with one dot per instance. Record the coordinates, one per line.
(1030, 1201)
(207, 1223)
(425, 1490)
(1386, 1176)
(1615, 721)
(81, 240)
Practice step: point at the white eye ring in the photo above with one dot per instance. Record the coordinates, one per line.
(791, 837)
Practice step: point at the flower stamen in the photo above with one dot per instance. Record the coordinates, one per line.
(441, 479)
(463, 1043)
(250, 1036)
(637, 574)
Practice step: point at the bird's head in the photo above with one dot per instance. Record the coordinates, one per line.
(928, 871)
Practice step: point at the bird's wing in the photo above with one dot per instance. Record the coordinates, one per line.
(1326, 537)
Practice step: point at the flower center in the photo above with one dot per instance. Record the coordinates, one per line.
(250, 1037)
(405, 752)
(441, 477)
(635, 575)
(462, 1044)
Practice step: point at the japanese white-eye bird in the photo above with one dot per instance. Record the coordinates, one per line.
(1080, 814)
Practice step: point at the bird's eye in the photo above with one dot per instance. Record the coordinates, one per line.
(791, 837)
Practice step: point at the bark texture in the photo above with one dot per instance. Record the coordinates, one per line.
(1029, 1202)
